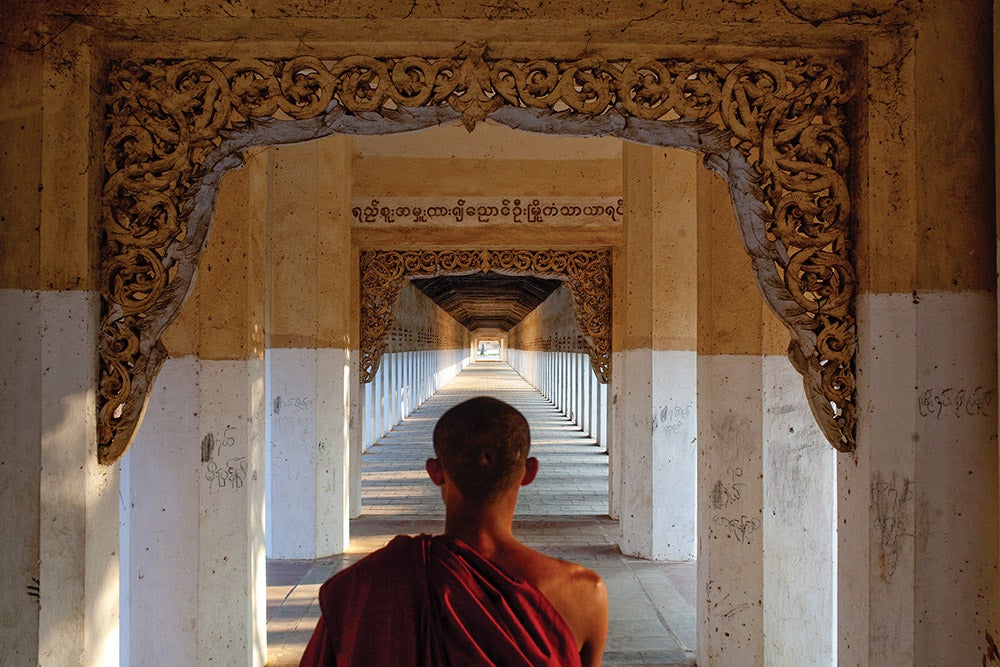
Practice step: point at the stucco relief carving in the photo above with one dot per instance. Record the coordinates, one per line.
(587, 273)
(774, 130)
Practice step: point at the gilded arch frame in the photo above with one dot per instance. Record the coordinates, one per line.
(774, 129)
(587, 273)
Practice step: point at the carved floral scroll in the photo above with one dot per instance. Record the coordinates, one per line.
(773, 129)
(587, 273)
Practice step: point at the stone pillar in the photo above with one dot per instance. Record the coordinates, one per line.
(231, 415)
(59, 589)
(195, 544)
(730, 448)
(309, 348)
(918, 504)
(655, 370)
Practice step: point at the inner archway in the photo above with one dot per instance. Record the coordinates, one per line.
(587, 273)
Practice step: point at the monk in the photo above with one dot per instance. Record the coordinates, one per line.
(474, 595)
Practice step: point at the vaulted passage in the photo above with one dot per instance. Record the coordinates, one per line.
(575, 477)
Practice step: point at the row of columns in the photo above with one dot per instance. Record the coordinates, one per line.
(405, 380)
(720, 458)
(568, 381)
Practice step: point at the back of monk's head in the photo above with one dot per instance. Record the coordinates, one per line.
(482, 444)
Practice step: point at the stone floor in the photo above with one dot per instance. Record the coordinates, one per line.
(563, 513)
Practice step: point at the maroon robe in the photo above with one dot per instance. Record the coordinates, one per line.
(432, 601)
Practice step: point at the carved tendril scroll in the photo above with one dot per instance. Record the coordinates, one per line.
(774, 130)
(587, 273)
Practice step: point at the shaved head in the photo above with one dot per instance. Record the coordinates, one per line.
(482, 445)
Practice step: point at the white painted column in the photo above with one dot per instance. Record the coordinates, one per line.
(379, 406)
(231, 424)
(231, 557)
(799, 523)
(579, 387)
(601, 416)
(21, 330)
(78, 612)
(394, 389)
(730, 539)
(69, 547)
(310, 332)
(309, 463)
(62, 504)
(162, 500)
(358, 407)
(919, 504)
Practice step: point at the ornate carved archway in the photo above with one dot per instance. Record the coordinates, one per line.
(773, 129)
(587, 273)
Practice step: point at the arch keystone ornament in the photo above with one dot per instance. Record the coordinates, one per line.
(773, 129)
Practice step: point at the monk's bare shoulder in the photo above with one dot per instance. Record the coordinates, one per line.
(577, 593)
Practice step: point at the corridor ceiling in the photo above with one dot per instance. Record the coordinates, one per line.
(487, 300)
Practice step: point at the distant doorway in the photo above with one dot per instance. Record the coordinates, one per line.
(489, 349)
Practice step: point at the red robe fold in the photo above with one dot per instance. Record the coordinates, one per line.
(429, 601)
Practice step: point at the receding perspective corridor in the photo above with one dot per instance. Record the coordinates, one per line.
(563, 513)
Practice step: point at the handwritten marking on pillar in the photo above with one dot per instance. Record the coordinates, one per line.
(891, 499)
(34, 591)
(231, 476)
(671, 419)
(725, 494)
(955, 402)
(740, 528)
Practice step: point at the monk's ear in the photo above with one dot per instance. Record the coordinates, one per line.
(530, 470)
(435, 471)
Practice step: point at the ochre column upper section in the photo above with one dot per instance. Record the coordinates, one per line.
(310, 252)
(729, 307)
(224, 317)
(20, 169)
(48, 172)
(658, 291)
(955, 181)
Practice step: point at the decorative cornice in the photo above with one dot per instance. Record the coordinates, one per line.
(774, 130)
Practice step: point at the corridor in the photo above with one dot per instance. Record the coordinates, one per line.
(563, 513)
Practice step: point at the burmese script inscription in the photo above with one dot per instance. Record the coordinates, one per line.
(596, 211)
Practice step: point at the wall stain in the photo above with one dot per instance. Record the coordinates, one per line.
(891, 500)
(207, 445)
(992, 655)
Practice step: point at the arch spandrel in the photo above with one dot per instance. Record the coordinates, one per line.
(774, 129)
